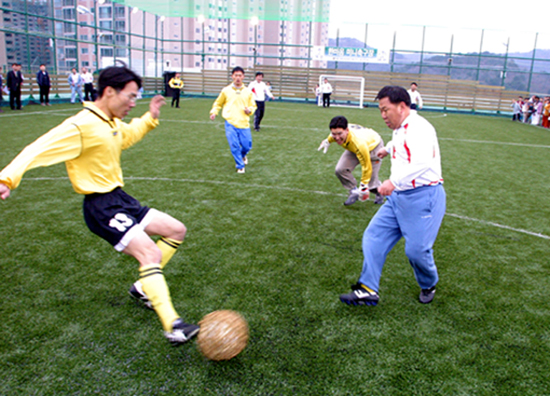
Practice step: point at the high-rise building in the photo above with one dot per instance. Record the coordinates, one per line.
(217, 34)
(15, 46)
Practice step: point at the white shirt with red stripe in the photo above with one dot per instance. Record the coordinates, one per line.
(260, 90)
(415, 158)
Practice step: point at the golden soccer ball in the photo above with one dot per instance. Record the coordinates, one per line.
(223, 335)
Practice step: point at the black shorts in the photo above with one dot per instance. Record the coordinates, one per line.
(116, 216)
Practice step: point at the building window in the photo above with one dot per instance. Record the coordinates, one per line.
(84, 51)
(67, 3)
(105, 24)
(68, 14)
(106, 52)
(85, 64)
(105, 12)
(70, 53)
(120, 12)
(120, 26)
(68, 28)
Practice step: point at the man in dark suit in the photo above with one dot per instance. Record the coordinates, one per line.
(14, 82)
(43, 81)
(1, 92)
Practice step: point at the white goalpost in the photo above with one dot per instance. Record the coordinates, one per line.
(347, 91)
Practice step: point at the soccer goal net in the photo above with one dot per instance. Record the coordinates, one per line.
(347, 91)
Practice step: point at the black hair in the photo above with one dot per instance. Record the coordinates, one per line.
(116, 77)
(414, 83)
(237, 69)
(395, 95)
(259, 74)
(338, 122)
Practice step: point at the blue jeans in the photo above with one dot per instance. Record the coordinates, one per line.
(240, 143)
(415, 215)
(74, 91)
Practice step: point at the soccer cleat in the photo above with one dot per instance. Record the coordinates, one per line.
(360, 295)
(352, 198)
(137, 292)
(241, 170)
(245, 160)
(427, 295)
(181, 332)
(379, 200)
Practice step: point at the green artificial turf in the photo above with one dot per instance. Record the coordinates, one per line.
(277, 245)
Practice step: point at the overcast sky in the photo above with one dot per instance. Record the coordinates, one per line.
(465, 19)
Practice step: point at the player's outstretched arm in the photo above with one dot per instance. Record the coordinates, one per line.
(4, 191)
(325, 144)
(382, 153)
(156, 103)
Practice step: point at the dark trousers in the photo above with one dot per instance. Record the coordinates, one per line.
(326, 100)
(44, 94)
(176, 97)
(88, 91)
(259, 114)
(15, 99)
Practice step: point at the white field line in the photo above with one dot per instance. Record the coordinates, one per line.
(488, 223)
(55, 112)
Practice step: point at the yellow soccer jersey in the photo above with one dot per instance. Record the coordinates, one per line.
(89, 143)
(175, 83)
(234, 101)
(361, 141)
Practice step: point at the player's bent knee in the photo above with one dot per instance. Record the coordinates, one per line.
(180, 231)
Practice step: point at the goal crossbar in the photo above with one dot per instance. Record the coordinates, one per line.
(347, 91)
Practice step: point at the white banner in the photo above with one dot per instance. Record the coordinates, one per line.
(349, 54)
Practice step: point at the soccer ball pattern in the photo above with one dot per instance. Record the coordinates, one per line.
(223, 335)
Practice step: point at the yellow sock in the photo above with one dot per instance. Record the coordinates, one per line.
(155, 287)
(168, 247)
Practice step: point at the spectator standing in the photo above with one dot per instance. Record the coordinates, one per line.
(326, 91)
(546, 112)
(537, 111)
(318, 95)
(516, 109)
(526, 109)
(14, 82)
(88, 79)
(76, 82)
(416, 99)
(260, 92)
(176, 83)
(44, 84)
(1, 92)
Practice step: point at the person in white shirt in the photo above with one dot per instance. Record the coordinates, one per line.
(76, 82)
(88, 79)
(260, 90)
(415, 205)
(416, 99)
(326, 91)
(318, 95)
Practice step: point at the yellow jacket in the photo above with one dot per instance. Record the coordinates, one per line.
(176, 83)
(89, 143)
(361, 141)
(234, 101)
